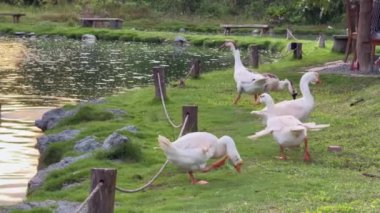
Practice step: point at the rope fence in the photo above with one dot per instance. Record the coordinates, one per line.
(164, 105)
(96, 189)
(159, 171)
(103, 180)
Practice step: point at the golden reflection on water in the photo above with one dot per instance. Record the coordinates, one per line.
(18, 155)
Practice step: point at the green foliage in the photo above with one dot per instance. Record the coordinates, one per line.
(58, 179)
(52, 154)
(277, 11)
(87, 113)
(126, 151)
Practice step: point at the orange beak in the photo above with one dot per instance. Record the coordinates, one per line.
(238, 166)
(318, 81)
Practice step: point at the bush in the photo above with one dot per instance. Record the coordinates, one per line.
(87, 113)
(52, 154)
(126, 151)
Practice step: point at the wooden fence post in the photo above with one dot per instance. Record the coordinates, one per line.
(195, 70)
(103, 200)
(297, 50)
(192, 121)
(159, 71)
(255, 56)
(321, 41)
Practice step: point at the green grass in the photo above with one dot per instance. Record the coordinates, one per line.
(329, 183)
(64, 20)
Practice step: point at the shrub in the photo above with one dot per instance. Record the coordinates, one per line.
(126, 151)
(87, 113)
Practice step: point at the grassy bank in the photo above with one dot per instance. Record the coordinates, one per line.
(141, 19)
(330, 183)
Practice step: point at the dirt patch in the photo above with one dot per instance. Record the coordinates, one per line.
(11, 54)
(340, 67)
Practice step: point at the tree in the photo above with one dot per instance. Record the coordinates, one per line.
(363, 44)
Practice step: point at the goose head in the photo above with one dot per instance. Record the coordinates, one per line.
(232, 152)
(292, 89)
(312, 77)
(265, 99)
(228, 44)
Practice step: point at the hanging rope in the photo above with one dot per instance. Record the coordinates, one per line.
(164, 106)
(89, 197)
(289, 34)
(159, 171)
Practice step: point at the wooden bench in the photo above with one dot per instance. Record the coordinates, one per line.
(16, 16)
(102, 22)
(264, 28)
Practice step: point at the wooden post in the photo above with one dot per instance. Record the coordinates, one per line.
(195, 68)
(159, 71)
(297, 50)
(103, 200)
(192, 121)
(289, 34)
(321, 41)
(255, 56)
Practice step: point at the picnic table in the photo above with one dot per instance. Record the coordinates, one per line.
(102, 22)
(16, 16)
(264, 28)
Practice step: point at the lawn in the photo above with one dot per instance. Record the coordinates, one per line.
(331, 182)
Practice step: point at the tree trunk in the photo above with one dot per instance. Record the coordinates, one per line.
(363, 44)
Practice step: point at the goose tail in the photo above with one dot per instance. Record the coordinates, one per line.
(165, 143)
(315, 127)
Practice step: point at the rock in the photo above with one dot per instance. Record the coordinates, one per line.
(62, 206)
(334, 148)
(94, 101)
(113, 140)
(68, 207)
(87, 144)
(117, 112)
(30, 205)
(88, 39)
(45, 140)
(52, 117)
(129, 128)
(38, 179)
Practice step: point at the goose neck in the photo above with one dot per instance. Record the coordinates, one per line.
(238, 62)
(230, 146)
(305, 90)
(283, 84)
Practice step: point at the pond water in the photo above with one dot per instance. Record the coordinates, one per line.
(55, 71)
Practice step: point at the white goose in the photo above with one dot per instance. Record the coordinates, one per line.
(287, 130)
(192, 151)
(246, 81)
(299, 108)
(254, 83)
(275, 84)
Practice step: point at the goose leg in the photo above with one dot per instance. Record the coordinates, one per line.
(282, 153)
(307, 152)
(194, 181)
(216, 164)
(255, 98)
(237, 98)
